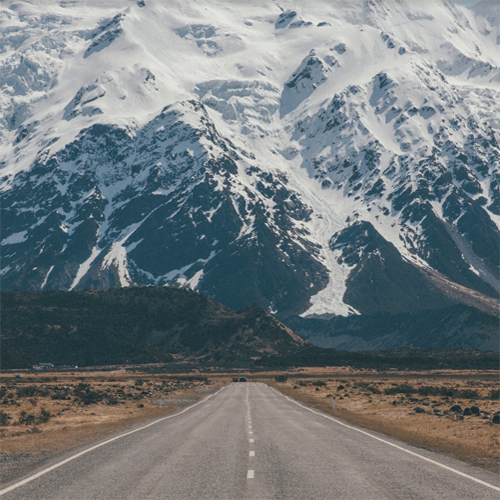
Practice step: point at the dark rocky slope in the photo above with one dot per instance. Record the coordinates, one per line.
(458, 326)
(135, 325)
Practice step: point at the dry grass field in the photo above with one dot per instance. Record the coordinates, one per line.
(448, 411)
(47, 413)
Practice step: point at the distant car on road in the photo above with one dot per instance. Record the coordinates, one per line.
(235, 379)
(243, 379)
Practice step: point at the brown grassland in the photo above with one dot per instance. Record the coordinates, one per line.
(414, 407)
(46, 413)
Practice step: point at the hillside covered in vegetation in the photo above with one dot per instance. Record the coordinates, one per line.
(175, 327)
(135, 325)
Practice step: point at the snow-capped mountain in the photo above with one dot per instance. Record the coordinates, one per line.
(316, 158)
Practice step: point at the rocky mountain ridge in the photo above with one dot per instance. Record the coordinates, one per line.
(318, 158)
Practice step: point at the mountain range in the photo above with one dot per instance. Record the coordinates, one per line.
(323, 159)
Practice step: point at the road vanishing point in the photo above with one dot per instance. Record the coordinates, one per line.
(248, 441)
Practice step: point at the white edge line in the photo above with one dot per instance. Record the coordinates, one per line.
(484, 483)
(59, 464)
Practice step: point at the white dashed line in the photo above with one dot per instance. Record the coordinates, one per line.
(251, 440)
(251, 453)
(250, 474)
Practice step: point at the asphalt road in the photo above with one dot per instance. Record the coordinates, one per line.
(249, 442)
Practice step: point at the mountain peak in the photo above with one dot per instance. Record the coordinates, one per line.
(230, 149)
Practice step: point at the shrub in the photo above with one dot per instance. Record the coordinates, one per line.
(494, 394)
(27, 418)
(111, 400)
(4, 418)
(60, 393)
(27, 391)
(429, 390)
(361, 385)
(85, 394)
(404, 388)
(60, 396)
(467, 394)
(319, 383)
(44, 416)
(91, 397)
